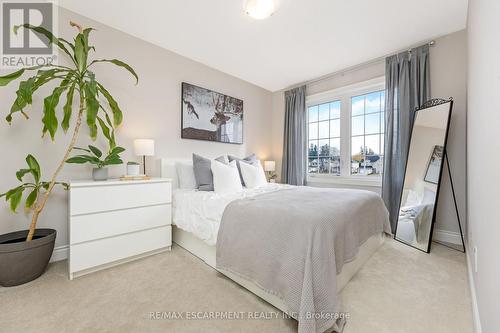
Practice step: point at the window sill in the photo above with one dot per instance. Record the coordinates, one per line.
(354, 180)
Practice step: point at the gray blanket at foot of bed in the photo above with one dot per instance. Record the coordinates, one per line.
(293, 243)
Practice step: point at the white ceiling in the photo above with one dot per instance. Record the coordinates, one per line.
(304, 39)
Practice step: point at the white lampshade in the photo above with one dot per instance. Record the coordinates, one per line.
(144, 147)
(260, 9)
(269, 166)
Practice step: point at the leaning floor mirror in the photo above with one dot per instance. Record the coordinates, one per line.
(424, 167)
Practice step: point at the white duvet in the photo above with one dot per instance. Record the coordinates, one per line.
(200, 212)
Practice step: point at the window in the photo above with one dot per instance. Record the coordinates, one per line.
(346, 133)
(367, 133)
(324, 138)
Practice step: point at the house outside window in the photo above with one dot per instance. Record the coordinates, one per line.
(324, 138)
(346, 129)
(367, 133)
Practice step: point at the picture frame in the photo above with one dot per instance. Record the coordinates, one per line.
(434, 165)
(210, 116)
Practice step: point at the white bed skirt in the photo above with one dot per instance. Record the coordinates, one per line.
(207, 253)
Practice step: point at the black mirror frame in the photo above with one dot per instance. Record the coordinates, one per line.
(430, 103)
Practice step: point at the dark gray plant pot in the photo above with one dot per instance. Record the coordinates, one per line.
(100, 174)
(22, 261)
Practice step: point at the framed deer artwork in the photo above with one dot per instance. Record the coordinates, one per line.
(212, 116)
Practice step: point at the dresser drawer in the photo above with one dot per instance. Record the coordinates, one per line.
(93, 199)
(101, 225)
(104, 251)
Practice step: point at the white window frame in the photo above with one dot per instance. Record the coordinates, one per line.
(344, 95)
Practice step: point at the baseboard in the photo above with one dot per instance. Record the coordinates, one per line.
(475, 310)
(447, 236)
(60, 253)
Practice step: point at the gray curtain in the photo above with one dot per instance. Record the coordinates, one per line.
(295, 142)
(407, 86)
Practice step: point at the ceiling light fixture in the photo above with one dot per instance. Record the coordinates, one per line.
(260, 9)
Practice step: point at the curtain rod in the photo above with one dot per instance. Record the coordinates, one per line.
(352, 68)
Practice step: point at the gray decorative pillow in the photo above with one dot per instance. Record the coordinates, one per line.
(252, 159)
(203, 172)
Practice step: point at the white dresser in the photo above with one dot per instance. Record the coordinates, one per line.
(115, 221)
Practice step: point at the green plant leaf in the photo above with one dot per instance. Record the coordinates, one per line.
(92, 105)
(46, 33)
(81, 52)
(95, 150)
(107, 133)
(31, 199)
(15, 198)
(117, 112)
(45, 185)
(25, 90)
(49, 119)
(21, 173)
(6, 79)
(83, 149)
(115, 161)
(114, 154)
(95, 160)
(112, 131)
(34, 167)
(85, 34)
(78, 159)
(81, 49)
(50, 103)
(68, 108)
(93, 132)
(117, 150)
(44, 76)
(10, 192)
(71, 45)
(18, 105)
(120, 64)
(24, 96)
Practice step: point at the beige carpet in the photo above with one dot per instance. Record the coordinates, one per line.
(399, 290)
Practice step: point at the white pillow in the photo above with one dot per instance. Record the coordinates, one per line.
(253, 174)
(226, 177)
(185, 175)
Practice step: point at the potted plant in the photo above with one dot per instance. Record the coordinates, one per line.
(13, 249)
(76, 81)
(100, 172)
(133, 169)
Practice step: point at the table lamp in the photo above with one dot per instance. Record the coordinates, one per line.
(144, 147)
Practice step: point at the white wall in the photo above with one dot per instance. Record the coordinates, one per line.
(448, 64)
(483, 146)
(151, 110)
(420, 154)
(448, 79)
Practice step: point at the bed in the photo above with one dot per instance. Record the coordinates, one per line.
(415, 215)
(197, 216)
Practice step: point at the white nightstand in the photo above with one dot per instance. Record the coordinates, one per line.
(115, 221)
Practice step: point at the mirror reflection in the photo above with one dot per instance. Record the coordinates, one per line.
(422, 176)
